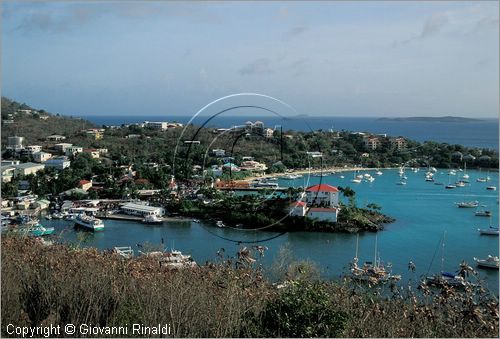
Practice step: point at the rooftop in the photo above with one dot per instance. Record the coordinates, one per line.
(322, 188)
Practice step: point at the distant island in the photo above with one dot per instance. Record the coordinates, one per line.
(447, 118)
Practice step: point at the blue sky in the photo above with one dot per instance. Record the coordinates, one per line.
(323, 58)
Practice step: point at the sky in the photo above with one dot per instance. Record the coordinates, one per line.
(322, 58)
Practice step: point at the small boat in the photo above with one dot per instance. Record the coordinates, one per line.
(488, 231)
(39, 230)
(89, 223)
(460, 184)
(491, 188)
(402, 182)
(481, 180)
(196, 221)
(467, 204)
(489, 262)
(378, 173)
(57, 216)
(483, 213)
(220, 224)
(152, 219)
(356, 180)
(342, 177)
(450, 186)
(452, 172)
(433, 169)
(431, 179)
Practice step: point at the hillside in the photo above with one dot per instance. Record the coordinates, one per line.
(35, 125)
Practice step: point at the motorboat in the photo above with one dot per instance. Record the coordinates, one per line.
(89, 223)
(401, 182)
(488, 231)
(220, 224)
(39, 230)
(450, 186)
(152, 219)
(356, 180)
(196, 221)
(460, 184)
(491, 188)
(467, 204)
(489, 262)
(483, 213)
(378, 172)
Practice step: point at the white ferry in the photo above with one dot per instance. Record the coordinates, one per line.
(89, 223)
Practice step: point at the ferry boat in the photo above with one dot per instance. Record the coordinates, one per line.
(89, 223)
(489, 262)
(152, 219)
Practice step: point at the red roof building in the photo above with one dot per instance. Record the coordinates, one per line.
(322, 188)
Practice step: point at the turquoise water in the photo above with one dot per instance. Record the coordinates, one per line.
(423, 212)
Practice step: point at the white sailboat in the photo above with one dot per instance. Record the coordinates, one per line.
(465, 176)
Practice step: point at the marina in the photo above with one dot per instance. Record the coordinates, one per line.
(423, 211)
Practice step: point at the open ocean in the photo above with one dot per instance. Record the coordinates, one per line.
(482, 134)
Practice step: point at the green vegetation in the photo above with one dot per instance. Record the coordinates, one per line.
(58, 284)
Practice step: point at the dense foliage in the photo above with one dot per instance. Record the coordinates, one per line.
(60, 284)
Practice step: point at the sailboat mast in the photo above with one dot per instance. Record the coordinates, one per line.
(442, 252)
(357, 245)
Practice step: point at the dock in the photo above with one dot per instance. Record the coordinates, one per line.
(127, 217)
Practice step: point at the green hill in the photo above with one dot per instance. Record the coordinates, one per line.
(35, 125)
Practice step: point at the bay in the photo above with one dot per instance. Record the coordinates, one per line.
(423, 213)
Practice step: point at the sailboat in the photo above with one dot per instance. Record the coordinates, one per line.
(450, 186)
(482, 212)
(443, 278)
(492, 230)
(373, 272)
(356, 179)
(465, 176)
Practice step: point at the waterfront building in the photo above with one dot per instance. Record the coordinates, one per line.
(58, 163)
(253, 166)
(322, 195)
(298, 208)
(141, 210)
(41, 156)
(321, 213)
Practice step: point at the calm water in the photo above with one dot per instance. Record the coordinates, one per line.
(423, 212)
(483, 134)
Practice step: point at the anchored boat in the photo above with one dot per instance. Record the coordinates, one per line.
(89, 223)
(489, 262)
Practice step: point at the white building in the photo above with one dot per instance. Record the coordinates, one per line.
(33, 149)
(8, 173)
(56, 137)
(28, 168)
(298, 208)
(62, 147)
(73, 150)
(321, 213)
(268, 132)
(141, 210)
(41, 156)
(10, 162)
(58, 163)
(323, 194)
(219, 152)
(161, 125)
